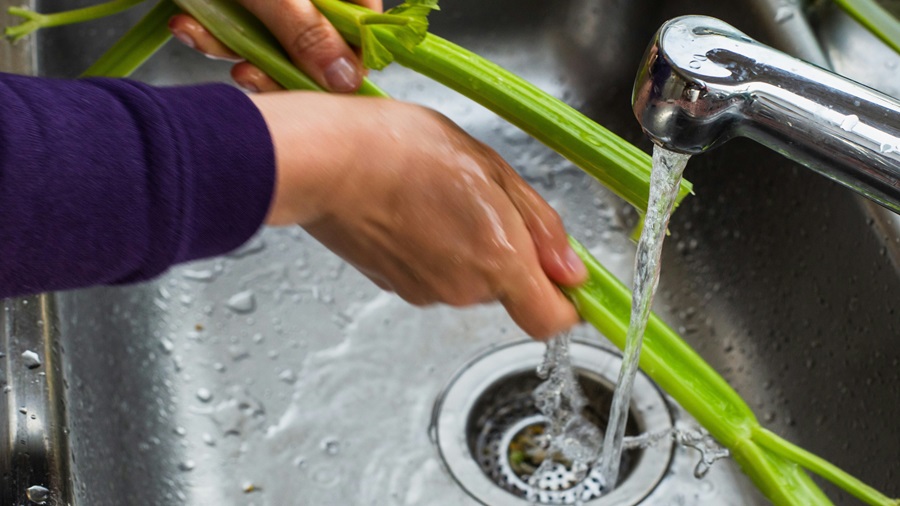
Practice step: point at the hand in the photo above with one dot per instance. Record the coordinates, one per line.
(418, 206)
(312, 43)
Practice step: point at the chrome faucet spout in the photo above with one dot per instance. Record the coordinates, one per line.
(703, 82)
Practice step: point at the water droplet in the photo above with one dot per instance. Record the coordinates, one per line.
(38, 494)
(181, 431)
(167, 345)
(204, 395)
(331, 446)
(31, 359)
(288, 376)
(199, 274)
(238, 353)
(694, 64)
(887, 148)
(250, 247)
(257, 338)
(242, 302)
(23, 410)
(784, 14)
(849, 122)
(208, 439)
(187, 465)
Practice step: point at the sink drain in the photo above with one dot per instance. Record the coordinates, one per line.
(489, 432)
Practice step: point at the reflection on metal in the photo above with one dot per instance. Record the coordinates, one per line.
(703, 82)
(34, 451)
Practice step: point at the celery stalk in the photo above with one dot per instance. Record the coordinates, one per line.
(875, 18)
(137, 45)
(35, 20)
(774, 465)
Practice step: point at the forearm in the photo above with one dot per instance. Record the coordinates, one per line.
(113, 181)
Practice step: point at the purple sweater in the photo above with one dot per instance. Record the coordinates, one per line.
(108, 181)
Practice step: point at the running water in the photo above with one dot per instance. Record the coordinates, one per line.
(665, 180)
(559, 398)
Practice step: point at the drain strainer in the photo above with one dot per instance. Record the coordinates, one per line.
(489, 432)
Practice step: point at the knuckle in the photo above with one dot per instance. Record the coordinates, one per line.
(310, 38)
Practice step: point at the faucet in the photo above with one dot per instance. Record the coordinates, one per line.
(703, 82)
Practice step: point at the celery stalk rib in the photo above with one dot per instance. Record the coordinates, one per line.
(613, 161)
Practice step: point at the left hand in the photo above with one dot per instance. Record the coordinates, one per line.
(312, 43)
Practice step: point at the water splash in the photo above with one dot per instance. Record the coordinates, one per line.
(664, 184)
(570, 437)
(710, 450)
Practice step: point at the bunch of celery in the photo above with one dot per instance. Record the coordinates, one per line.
(775, 465)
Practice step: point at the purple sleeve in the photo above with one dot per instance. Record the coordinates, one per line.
(112, 181)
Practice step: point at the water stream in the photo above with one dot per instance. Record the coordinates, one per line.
(665, 180)
(560, 399)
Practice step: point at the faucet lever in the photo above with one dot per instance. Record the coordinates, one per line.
(702, 82)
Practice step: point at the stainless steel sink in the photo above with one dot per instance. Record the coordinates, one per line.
(319, 389)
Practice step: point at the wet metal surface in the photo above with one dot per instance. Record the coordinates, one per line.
(278, 375)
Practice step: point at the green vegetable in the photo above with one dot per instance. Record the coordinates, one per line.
(400, 34)
(874, 17)
(137, 45)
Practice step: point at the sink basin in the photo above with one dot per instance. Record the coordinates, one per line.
(279, 375)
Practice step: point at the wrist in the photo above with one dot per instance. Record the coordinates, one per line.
(313, 150)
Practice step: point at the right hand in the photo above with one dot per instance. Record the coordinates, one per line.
(419, 206)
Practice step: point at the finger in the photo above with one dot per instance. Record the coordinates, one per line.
(375, 5)
(251, 78)
(312, 42)
(537, 305)
(192, 34)
(557, 258)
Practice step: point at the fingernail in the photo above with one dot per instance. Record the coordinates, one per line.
(574, 263)
(252, 88)
(184, 38)
(342, 76)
